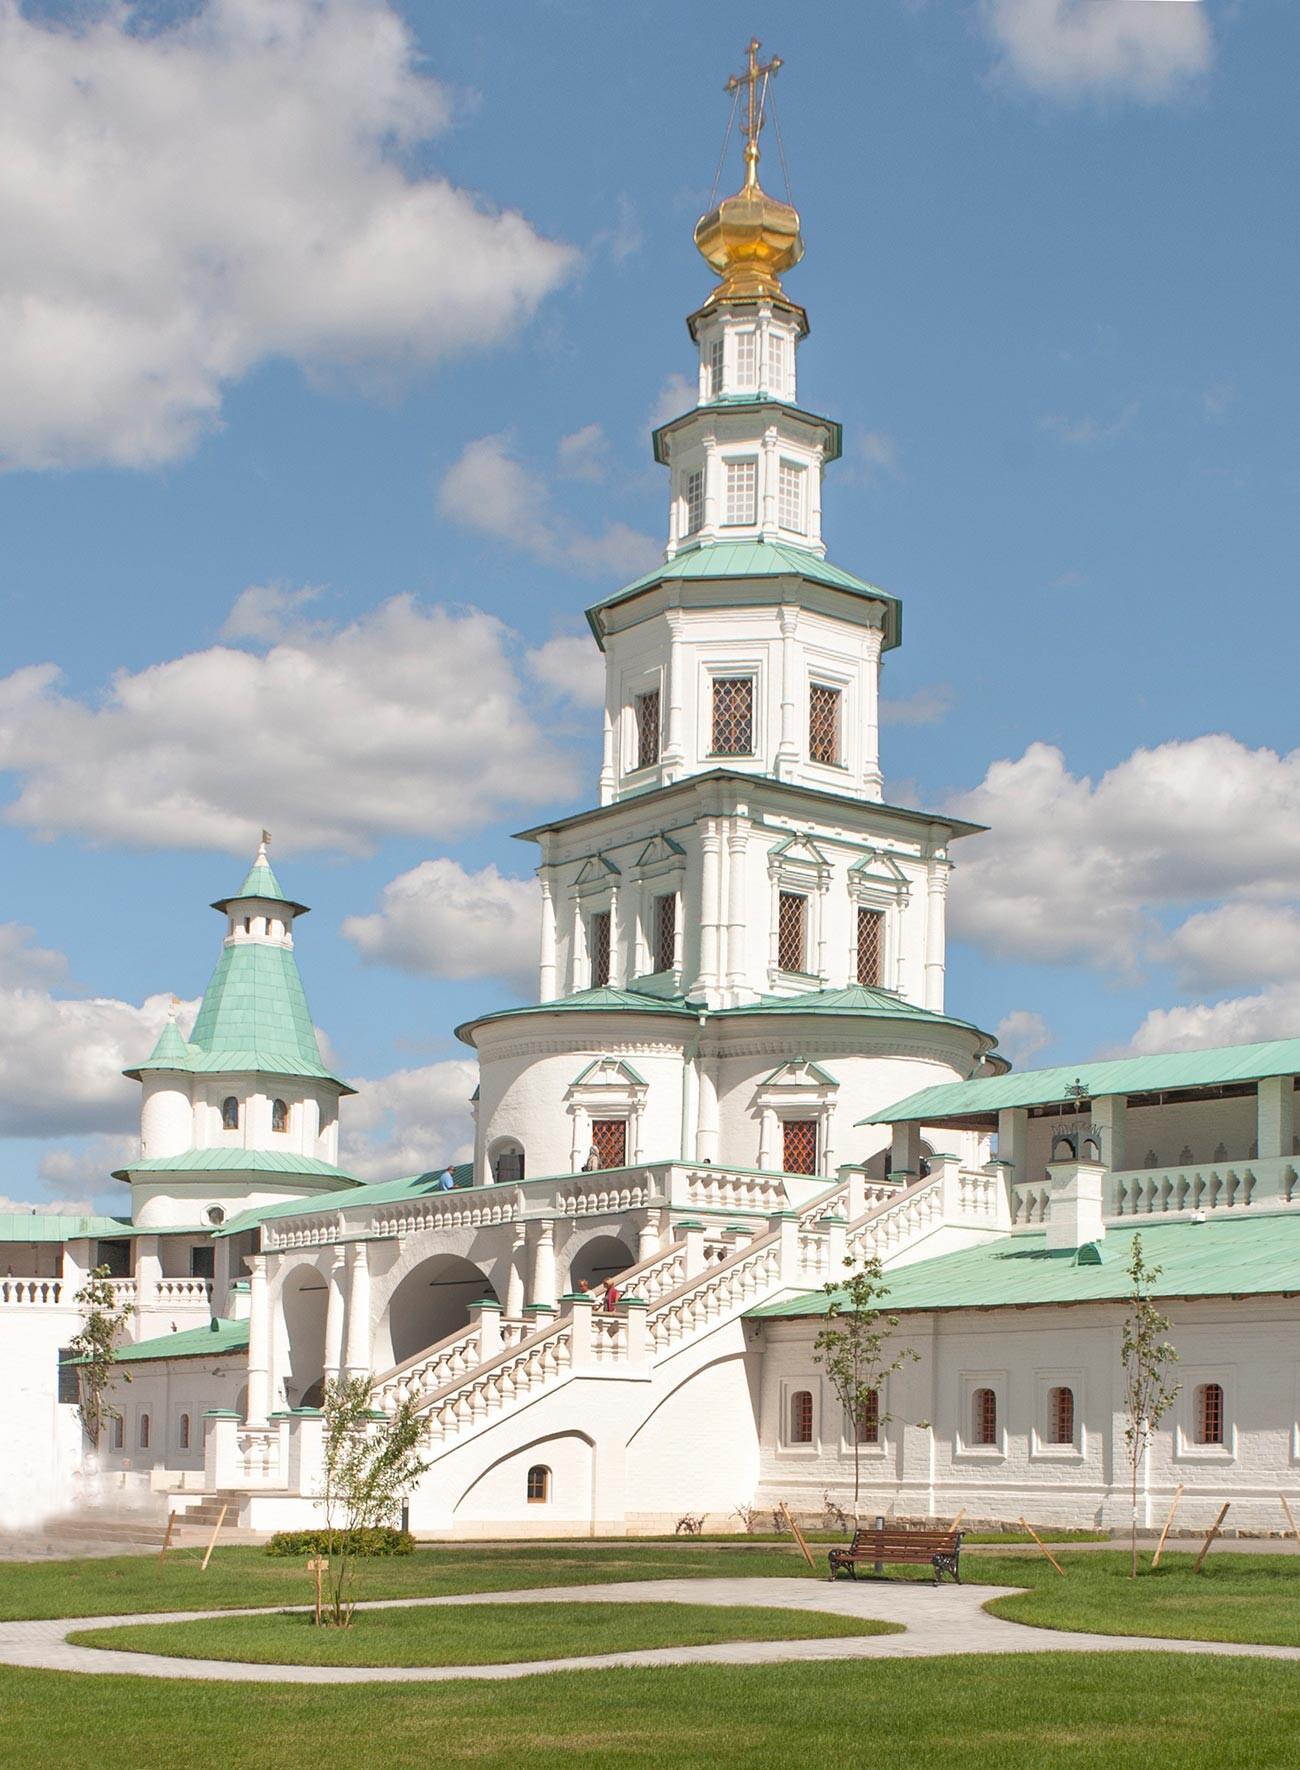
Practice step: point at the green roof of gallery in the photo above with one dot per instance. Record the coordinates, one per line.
(1228, 1256)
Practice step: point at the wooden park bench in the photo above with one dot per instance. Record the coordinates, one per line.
(940, 1548)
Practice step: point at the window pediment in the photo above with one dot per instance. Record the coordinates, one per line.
(660, 855)
(799, 857)
(800, 1082)
(877, 873)
(597, 873)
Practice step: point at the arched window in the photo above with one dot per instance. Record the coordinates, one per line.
(869, 1419)
(183, 1436)
(1209, 1414)
(117, 1432)
(144, 1431)
(801, 1417)
(1060, 1416)
(279, 1116)
(230, 1113)
(508, 1163)
(984, 1421)
(539, 1484)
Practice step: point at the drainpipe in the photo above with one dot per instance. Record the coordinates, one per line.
(689, 1059)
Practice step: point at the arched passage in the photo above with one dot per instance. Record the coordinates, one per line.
(598, 1259)
(432, 1302)
(303, 1301)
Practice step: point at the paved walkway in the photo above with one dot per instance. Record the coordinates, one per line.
(943, 1620)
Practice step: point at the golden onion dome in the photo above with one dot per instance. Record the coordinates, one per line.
(749, 239)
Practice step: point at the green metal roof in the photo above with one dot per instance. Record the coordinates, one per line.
(1166, 1072)
(753, 559)
(253, 1017)
(260, 881)
(854, 999)
(202, 1342)
(604, 999)
(376, 1192)
(237, 1161)
(1228, 1255)
(43, 1226)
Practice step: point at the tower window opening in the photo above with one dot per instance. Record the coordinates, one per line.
(609, 1139)
(183, 1437)
(790, 484)
(1209, 1414)
(733, 715)
(799, 1146)
(266, 925)
(693, 498)
(742, 493)
(984, 1420)
(279, 1116)
(665, 931)
(823, 723)
(1060, 1416)
(539, 1485)
(715, 368)
(647, 728)
(871, 944)
(791, 927)
(117, 1433)
(746, 359)
(869, 1419)
(230, 1113)
(600, 933)
(248, 924)
(776, 362)
(144, 1431)
(801, 1417)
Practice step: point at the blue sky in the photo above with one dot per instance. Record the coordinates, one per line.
(274, 360)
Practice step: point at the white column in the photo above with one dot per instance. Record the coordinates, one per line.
(1275, 1111)
(547, 991)
(619, 970)
(148, 1270)
(515, 1278)
(936, 889)
(710, 907)
(356, 1357)
(1110, 1114)
(706, 1111)
(767, 1124)
(259, 1343)
(648, 1237)
(905, 1154)
(737, 846)
(544, 1266)
(814, 501)
(873, 780)
(1013, 1141)
(334, 1317)
(767, 471)
(580, 1138)
(674, 746)
(787, 754)
(607, 754)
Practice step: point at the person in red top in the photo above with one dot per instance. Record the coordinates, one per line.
(610, 1296)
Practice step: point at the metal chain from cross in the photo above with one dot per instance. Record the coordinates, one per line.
(753, 126)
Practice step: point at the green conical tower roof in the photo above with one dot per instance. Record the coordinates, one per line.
(171, 1051)
(260, 881)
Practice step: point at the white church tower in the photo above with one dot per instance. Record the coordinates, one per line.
(742, 948)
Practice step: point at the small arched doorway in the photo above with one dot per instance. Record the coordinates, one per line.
(303, 1302)
(604, 1256)
(432, 1302)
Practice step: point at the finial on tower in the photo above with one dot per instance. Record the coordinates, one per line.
(750, 238)
(262, 846)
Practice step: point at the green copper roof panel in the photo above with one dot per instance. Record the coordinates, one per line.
(604, 998)
(171, 1051)
(239, 1161)
(202, 1342)
(1167, 1071)
(260, 881)
(753, 559)
(43, 1226)
(855, 998)
(255, 1005)
(1235, 1255)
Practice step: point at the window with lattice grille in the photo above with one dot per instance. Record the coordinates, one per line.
(609, 1136)
(733, 715)
(665, 931)
(871, 946)
(799, 1137)
(746, 359)
(1209, 1414)
(715, 368)
(869, 1419)
(647, 728)
(790, 483)
(823, 723)
(792, 920)
(742, 493)
(1060, 1416)
(984, 1422)
(693, 500)
(539, 1485)
(776, 361)
(599, 936)
(801, 1417)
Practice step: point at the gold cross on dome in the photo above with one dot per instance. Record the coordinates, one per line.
(752, 128)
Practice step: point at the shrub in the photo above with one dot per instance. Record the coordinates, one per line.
(382, 1539)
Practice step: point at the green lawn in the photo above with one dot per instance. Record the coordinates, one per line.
(249, 1577)
(1233, 1598)
(474, 1634)
(1039, 1712)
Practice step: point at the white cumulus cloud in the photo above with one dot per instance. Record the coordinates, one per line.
(1271, 1013)
(410, 720)
(182, 201)
(409, 1122)
(487, 489)
(571, 665)
(1144, 49)
(1022, 1034)
(444, 922)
